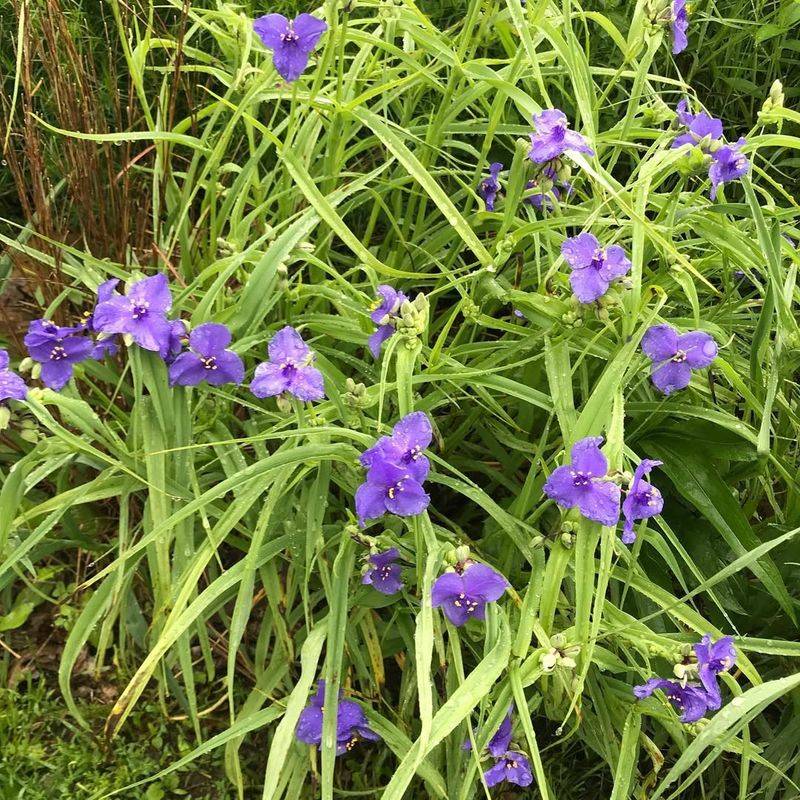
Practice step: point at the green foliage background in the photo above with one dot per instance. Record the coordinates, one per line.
(195, 544)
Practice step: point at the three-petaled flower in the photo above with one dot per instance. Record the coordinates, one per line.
(384, 315)
(714, 658)
(208, 359)
(289, 369)
(463, 594)
(583, 484)
(728, 163)
(593, 267)
(642, 501)
(291, 41)
(384, 573)
(57, 349)
(351, 722)
(675, 355)
(490, 187)
(553, 137)
(702, 129)
(690, 700)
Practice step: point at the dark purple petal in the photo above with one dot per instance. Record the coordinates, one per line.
(642, 501)
(680, 24)
(288, 346)
(209, 339)
(390, 301)
(154, 292)
(480, 580)
(560, 486)
(384, 573)
(499, 743)
(187, 370)
(714, 658)
(588, 285)
(407, 498)
(672, 376)
(56, 374)
(660, 342)
(307, 383)
(12, 387)
(600, 502)
(699, 347)
(615, 263)
(413, 434)
(580, 251)
(290, 61)
(513, 767)
(268, 380)
(691, 701)
(727, 164)
(269, 29)
(309, 29)
(370, 501)
(587, 457)
(229, 369)
(376, 340)
(309, 726)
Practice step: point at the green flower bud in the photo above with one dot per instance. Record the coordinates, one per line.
(5, 417)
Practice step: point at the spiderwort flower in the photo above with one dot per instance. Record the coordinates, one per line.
(57, 350)
(12, 387)
(499, 743)
(513, 767)
(712, 659)
(691, 700)
(679, 25)
(582, 483)
(675, 355)
(490, 187)
(702, 128)
(208, 359)
(593, 268)
(728, 163)
(642, 501)
(141, 313)
(289, 369)
(464, 595)
(410, 436)
(291, 41)
(384, 315)
(554, 138)
(351, 722)
(384, 573)
(389, 488)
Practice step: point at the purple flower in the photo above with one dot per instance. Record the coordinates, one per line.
(351, 723)
(384, 573)
(389, 488)
(12, 387)
(642, 501)
(141, 313)
(513, 767)
(464, 596)
(207, 359)
(57, 350)
(291, 41)
(499, 743)
(675, 355)
(700, 126)
(593, 268)
(712, 659)
(404, 447)
(384, 315)
(490, 187)
(554, 138)
(728, 163)
(582, 483)
(679, 24)
(691, 700)
(289, 369)
(174, 343)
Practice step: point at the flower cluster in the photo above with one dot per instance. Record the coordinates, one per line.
(396, 470)
(726, 162)
(694, 698)
(384, 314)
(351, 723)
(585, 484)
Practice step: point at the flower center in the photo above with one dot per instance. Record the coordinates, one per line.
(209, 363)
(385, 571)
(289, 36)
(58, 353)
(679, 357)
(510, 764)
(469, 605)
(139, 308)
(351, 743)
(598, 258)
(392, 491)
(558, 133)
(288, 368)
(412, 454)
(580, 478)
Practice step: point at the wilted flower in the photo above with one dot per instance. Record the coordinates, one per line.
(541, 199)
(384, 315)
(12, 387)
(593, 268)
(702, 128)
(513, 767)
(410, 436)
(384, 573)
(351, 723)
(464, 595)
(207, 359)
(490, 186)
(389, 488)
(554, 138)
(642, 501)
(690, 700)
(679, 25)
(728, 163)
(675, 355)
(141, 313)
(289, 369)
(57, 349)
(291, 41)
(712, 659)
(582, 483)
